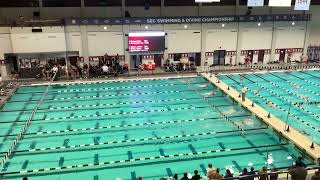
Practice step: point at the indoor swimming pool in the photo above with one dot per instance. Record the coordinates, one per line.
(151, 128)
(292, 96)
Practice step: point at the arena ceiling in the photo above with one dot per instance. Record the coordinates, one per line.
(92, 3)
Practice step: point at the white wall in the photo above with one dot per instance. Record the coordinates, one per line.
(224, 38)
(183, 41)
(256, 38)
(290, 37)
(5, 45)
(101, 43)
(52, 39)
(74, 42)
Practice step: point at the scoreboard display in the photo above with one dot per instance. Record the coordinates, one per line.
(146, 41)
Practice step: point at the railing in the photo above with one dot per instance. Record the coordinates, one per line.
(284, 172)
(258, 67)
(26, 125)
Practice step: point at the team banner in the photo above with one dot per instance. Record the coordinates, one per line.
(189, 20)
(255, 3)
(303, 5)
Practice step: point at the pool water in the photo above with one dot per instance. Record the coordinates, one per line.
(295, 93)
(122, 130)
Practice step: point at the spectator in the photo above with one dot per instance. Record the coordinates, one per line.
(274, 175)
(316, 175)
(244, 173)
(175, 177)
(300, 159)
(185, 176)
(196, 176)
(263, 173)
(252, 173)
(140, 68)
(228, 174)
(105, 70)
(298, 172)
(210, 170)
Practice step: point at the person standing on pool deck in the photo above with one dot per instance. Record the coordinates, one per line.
(244, 91)
(298, 172)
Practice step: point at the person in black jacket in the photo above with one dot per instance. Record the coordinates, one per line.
(196, 176)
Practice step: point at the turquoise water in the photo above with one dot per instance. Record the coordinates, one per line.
(283, 89)
(122, 130)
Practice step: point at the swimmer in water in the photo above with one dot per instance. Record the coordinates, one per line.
(209, 93)
(269, 104)
(203, 85)
(295, 86)
(257, 91)
(247, 122)
(305, 97)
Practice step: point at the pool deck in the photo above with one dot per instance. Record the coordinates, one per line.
(293, 135)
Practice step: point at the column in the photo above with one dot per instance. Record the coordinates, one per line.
(82, 8)
(125, 30)
(203, 43)
(273, 42)
(236, 8)
(40, 7)
(166, 51)
(5, 71)
(84, 39)
(123, 7)
(162, 11)
(239, 40)
(306, 37)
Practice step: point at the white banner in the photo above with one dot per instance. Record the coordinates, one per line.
(303, 5)
(255, 3)
(280, 3)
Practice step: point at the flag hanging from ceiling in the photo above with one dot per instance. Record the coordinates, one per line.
(255, 3)
(303, 5)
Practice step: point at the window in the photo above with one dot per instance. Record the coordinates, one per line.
(19, 3)
(61, 3)
(102, 2)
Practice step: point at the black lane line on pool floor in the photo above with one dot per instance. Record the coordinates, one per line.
(142, 159)
(281, 97)
(279, 107)
(117, 81)
(113, 114)
(102, 106)
(108, 95)
(306, 80)
(297, 95)
(135, 140)
(85, 90)
(122, 126)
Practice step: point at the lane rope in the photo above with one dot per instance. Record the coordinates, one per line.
(107, 88)
(119, 126)
(144, 159)
(133, 140)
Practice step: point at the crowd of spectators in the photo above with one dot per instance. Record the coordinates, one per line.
(298, 172)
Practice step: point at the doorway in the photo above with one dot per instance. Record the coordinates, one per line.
(260, 56)
(282, 55)
(157, 60)
(219, 57)
(13, 61)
